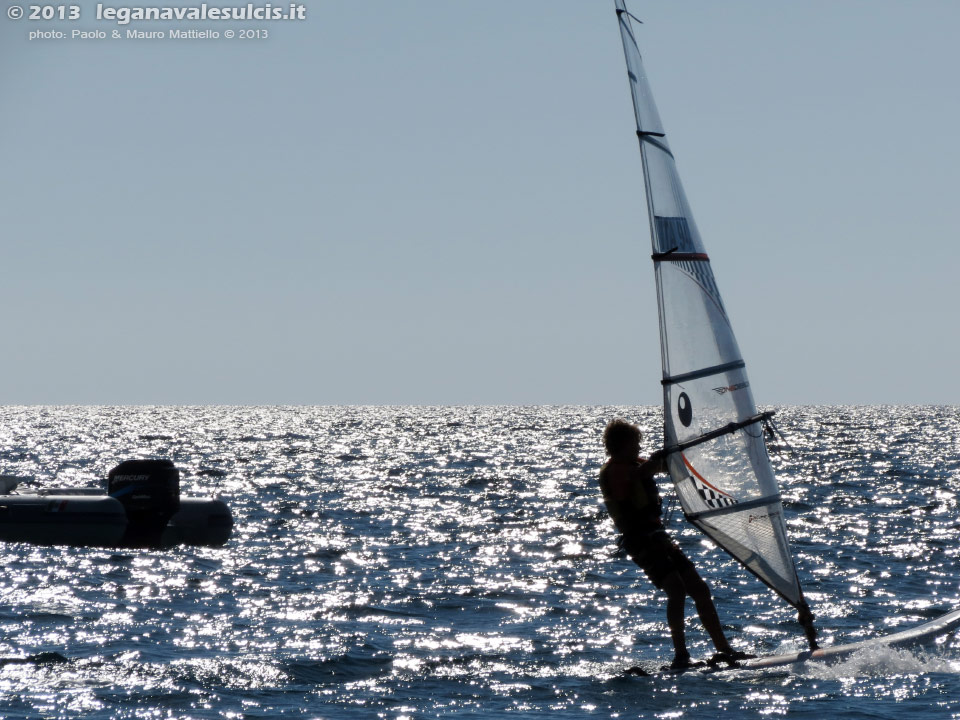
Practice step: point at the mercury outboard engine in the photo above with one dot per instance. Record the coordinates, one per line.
(149, 491)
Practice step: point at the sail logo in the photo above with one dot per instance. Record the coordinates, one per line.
(730, 388)
(684, 409)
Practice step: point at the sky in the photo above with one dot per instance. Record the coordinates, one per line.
(441, 202)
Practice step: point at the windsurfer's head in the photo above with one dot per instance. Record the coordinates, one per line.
(622, 438)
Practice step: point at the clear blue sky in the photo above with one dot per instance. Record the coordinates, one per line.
(440, 202)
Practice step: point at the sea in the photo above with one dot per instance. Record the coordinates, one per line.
(431, 562)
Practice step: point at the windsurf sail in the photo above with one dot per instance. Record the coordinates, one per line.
(713, 434)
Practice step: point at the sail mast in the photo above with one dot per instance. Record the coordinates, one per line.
(713, 434)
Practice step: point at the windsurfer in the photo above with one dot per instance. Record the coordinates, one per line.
(633, 501)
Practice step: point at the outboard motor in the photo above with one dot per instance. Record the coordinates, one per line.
(149, 491)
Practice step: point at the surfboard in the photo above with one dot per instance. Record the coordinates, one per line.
(912, 637)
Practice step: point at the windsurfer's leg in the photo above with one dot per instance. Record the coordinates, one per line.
(698, 589)
(673, 586)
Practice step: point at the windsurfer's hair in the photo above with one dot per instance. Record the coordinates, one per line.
(618, 433)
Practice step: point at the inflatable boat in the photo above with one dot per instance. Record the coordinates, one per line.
(141, 508)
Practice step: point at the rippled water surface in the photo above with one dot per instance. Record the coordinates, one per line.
(427, 562)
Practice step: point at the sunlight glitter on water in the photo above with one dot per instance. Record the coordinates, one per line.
(450, 560)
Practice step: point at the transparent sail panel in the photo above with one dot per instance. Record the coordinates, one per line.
(757, 538)
(697, 331)
(648, 120)
(727, 489)
(669, 201)
(697, 406)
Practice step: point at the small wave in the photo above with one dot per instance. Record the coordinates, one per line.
(49, 616)
(178, 675)
(43, 658)
(359, 663)
(211, 472)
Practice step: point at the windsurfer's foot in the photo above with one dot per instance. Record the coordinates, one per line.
(730, 657)
(682, 662)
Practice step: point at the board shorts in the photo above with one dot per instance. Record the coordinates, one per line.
(656, 554)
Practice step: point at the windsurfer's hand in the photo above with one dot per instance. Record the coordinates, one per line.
(658, 461)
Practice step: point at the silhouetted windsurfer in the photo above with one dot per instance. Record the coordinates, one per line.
(633, 501)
